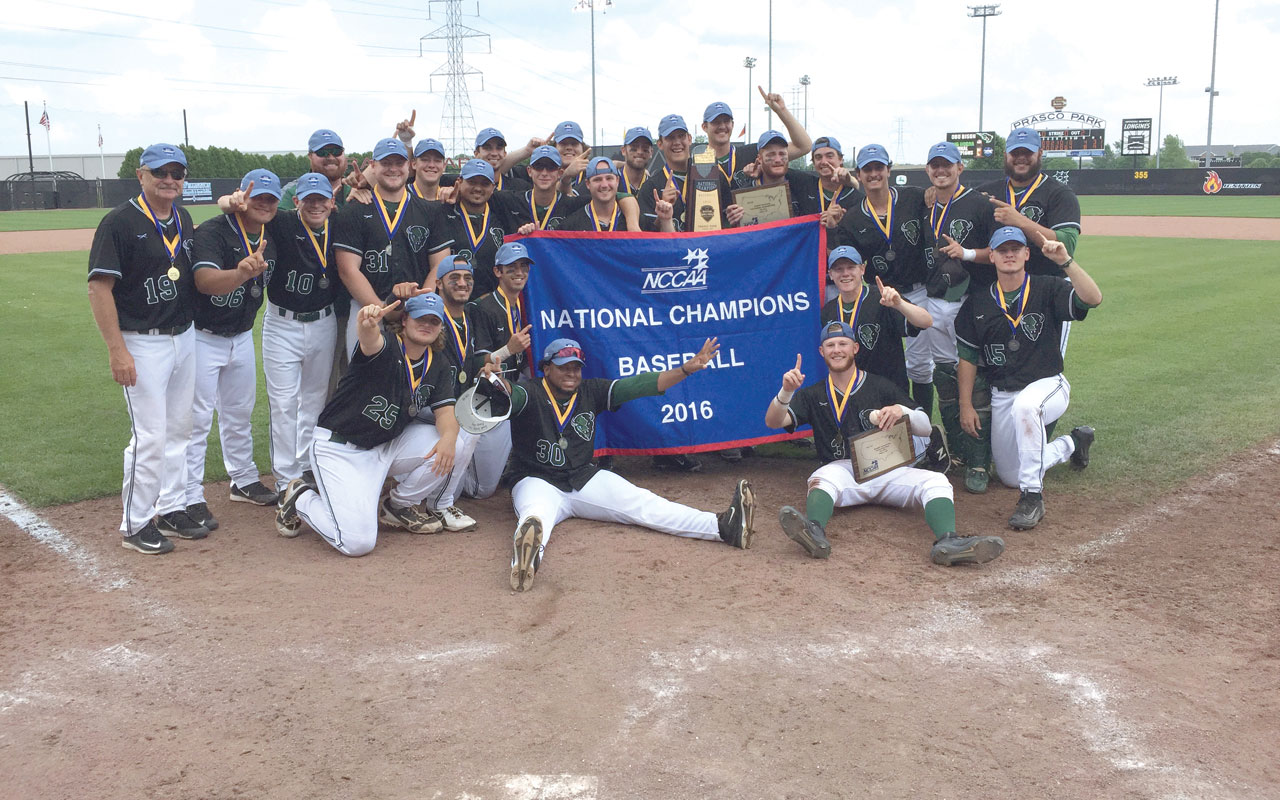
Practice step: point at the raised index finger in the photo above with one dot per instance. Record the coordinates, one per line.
(880, 284)
(413, 116)
(797, 362)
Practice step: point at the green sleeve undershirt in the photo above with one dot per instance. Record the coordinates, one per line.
(643, 385)
(1069, 237)
(967, 353)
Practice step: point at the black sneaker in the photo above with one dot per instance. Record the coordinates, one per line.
(1083, 436)
(200, 514)
(181, 525)
(254, 493)
(808, 533)
(526, 554)
(149, 541)
(605, 462)
(733, 455)
(288, 523)
(952, 550)
(1029, 511)
(737, 523)
(937, 456)
(678, 463)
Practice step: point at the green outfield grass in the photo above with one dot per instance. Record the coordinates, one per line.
(72, 218)
(1176, 370)
(1179, 206)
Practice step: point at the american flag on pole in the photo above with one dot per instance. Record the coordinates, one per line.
(99, 136)
(44, 119)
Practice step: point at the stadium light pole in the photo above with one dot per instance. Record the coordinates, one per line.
(590, 5)
(1211, 88)
(983, 12)
(769, 124)
(1161, 82)
(750, 64)
(804, 81)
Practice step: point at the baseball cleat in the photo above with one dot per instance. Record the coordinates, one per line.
(454, 520)
(288, 523)
(526, 554)
(254, 493)
(1083, 436)
(976, 480)
(952, 550)
(737, 523)
(181, 525)
(678, 463)
(733, 455)
(148, 541)
(199, 513)
(410, 518)
(808, 533)
(1029, 511)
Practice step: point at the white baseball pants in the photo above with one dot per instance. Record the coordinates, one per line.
(227, 382)
(940, 339)
(159, 405)
(297, 359)
(918, 350)
(480, 475)
(905, 487)
(1018, 446)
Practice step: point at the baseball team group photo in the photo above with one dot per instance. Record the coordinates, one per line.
(975, 425)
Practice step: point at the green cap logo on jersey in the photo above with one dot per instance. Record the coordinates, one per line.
(960, 229)
(869, 335)
(417, 238)
(585, 425)
(1032, 324)
(911, 229)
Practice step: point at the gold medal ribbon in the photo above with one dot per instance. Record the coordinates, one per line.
(613, 222)
(170, 245)
(238, 224)
(408, 367)
(533, 210)
(1013, 198)
(886, 227)
(321, 247)
(852, 322)
(561, 419)
(460, 339)
(838, 405)
(472, 236)
(512, 309)
(939, 221)
(389, 223)
(626, 182)
(1026, 292)
(733, 164)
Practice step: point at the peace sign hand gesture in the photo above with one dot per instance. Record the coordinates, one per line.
(253, 265)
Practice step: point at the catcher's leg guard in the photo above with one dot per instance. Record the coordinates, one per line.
(978, 449)
(948, 389)
(922, 394)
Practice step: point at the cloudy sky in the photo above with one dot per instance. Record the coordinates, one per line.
(262, 74)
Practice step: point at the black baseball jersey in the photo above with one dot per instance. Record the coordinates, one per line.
(812, 406)
(359, 228)
(495, 318)
(880, 330)
(547, 218)
(373, 401)
(969, 219)
(1045, 202)
(535, 434)
(127, 247)
(219, 245)
(299, 281)
(501, 217)
(860, 229)
(658, 182)
(466, 331)
(584, 219)
(804, 187)
(1010, 360)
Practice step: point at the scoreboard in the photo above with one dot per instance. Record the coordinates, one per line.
(1074, 142)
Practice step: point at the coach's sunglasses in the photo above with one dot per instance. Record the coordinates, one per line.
(329, 151)
(568, 352)
(176, 172)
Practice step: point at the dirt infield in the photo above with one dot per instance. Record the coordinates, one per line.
(1115, 652)
(16, 242)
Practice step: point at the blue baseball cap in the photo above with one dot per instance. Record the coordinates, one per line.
(844, 251)
(510, 253)
(872, 153)
(264, 182)
(826, 141)
(838, 330)
(489, 134)
(717, 109)
(768, 137)
(546, 153)
(477, 168)
(422, 305)
(568, 130)
(1007, 234)
(638, 132)
(323, 138)
(670, 124)
(454, 264)
(314, 183)
(947, 150)
(425, 146)
(157, 155)
(1025, 138)
(562, 351)
(600, 165)
(389, 147)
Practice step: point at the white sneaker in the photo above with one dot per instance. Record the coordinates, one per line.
(455, 520)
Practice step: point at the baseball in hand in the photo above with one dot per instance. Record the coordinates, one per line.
(874, 416)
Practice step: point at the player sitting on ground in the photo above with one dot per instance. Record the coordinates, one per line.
(1009, 331)
(851, 401)
(364, 434)
(553, 428)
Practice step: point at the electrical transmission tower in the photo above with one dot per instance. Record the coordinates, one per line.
(901, 132)
(457, 124)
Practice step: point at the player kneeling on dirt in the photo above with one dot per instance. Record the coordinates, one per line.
(849, 402)
(553, 431)
(363, 435)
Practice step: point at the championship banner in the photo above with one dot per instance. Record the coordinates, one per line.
(646, 302)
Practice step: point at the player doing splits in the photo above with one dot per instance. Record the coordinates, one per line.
(364, 434)
(553, 429)
(848, 402)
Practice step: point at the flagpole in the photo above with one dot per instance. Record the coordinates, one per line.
(48, 142)
(101, 158)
